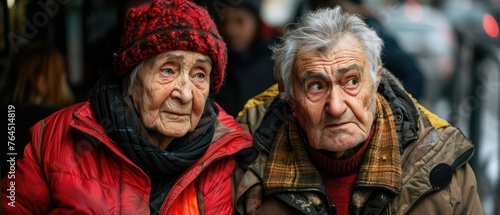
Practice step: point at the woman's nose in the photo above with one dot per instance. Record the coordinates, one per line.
(183, 90)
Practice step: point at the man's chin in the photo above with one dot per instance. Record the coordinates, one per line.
(340, 143)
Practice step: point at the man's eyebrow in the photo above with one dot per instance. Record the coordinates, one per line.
(313, 75)
(344, 70)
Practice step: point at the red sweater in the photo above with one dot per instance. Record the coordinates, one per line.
(339, 175)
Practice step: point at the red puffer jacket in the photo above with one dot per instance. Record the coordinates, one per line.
(72, 167)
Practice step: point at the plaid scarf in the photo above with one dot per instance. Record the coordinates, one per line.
(289, 166)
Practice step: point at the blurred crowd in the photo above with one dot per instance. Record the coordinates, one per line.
(53, 53)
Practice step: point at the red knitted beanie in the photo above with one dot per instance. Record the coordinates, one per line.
(167, 25)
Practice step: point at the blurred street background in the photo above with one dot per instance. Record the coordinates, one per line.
(446, 51)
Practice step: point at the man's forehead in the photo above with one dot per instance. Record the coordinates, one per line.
(339, 60)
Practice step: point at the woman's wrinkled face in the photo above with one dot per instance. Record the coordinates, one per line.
(334, 96)
(170, 92)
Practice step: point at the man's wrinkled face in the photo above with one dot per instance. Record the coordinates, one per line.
(334, 97)
(171, 90)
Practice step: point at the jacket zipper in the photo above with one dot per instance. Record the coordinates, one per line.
(302, 190)
(94, 129)
(202, 161)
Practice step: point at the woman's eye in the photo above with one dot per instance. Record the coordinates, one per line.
(167, 71)
(200, 76)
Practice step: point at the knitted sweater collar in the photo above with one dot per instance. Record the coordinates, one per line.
(349, 163)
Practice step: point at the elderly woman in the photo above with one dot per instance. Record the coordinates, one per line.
(149, 140)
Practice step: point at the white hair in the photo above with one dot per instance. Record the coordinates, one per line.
(133, 76)
(320, 30)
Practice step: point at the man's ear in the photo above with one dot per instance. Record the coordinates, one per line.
(291, 102)
(379, 76)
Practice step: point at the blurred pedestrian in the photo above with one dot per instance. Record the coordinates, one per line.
(37, 86)
(250, 67)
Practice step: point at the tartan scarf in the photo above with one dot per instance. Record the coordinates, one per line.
(290, 167)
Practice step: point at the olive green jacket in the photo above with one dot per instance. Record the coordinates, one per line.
(436, 178)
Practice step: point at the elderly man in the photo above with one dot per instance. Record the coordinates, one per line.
(344, 137)
(149, 140)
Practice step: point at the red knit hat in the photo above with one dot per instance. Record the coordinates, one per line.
(168, 25)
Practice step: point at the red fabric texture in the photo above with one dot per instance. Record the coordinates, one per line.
(72, 167)
(166, 26)
(339, 175)
(340, 190)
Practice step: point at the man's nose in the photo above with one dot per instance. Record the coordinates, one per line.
(336, 104)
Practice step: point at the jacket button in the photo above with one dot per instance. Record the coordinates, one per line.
(440, 176)
(399, 117)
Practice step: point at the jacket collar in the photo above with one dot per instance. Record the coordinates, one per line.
(403, 108)
(226, 129)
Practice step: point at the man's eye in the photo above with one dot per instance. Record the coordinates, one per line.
(167, 71)
(352, 82)
(315, 86)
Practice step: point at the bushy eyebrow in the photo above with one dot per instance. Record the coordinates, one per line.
(344, 70)
(340, 72)
(313, 75)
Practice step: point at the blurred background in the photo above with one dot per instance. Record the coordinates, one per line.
(446, 52)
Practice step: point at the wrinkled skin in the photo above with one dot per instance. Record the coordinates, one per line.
(170, 92)
(334, 97)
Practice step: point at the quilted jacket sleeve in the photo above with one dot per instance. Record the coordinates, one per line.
(217, 186)
(27, 191)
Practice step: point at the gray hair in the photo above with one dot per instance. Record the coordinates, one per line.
(133, 76)
(320, 30)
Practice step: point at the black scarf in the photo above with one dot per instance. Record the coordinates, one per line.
(116, 113)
